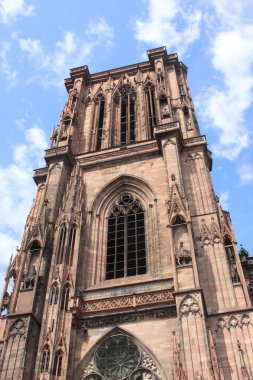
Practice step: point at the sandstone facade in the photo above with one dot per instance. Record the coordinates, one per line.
(128, 268)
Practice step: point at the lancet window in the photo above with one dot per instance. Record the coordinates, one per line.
(57, 368)
(125, 99)
(61, 244)
(71, 245)
(126, 248)
(54, 295)
(99, 123)
(65, 297)
(44, 367)
(151, 106)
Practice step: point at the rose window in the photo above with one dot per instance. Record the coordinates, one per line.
(117, 358)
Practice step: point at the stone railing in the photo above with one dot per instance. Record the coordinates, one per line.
(199, 140)
(132, 301)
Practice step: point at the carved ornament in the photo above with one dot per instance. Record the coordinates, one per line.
(233, 321)
(124, 302)
(130, 318)
(18, 328)
(118, 154)
(189, 305)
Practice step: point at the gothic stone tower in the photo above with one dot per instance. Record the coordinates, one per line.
(128, 267)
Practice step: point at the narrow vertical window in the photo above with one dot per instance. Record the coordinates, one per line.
(71, 245)
(57, 369)
(100, 104)
(65, 297)
(125, 97)
(45, 360)
(151, 108)
(54, 295)
(61, 244)
(126, 250)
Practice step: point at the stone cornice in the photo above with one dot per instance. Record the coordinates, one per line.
(59, 153)
(40, 175)
(118, 153)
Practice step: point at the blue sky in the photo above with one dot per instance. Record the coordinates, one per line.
(41, 40)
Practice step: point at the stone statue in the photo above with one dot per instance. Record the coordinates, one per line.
(29, 279)
(183, 256)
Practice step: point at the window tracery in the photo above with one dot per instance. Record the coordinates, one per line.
(57, 368)
(151, 106)
(125, 98)
(71, 245)
(100, 114)
(65, 297)
(126, 248)
(61, 244)
(45, 360)
(120, 357)
(117, 357)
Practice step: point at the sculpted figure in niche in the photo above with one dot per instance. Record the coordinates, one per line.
(234, 274)
(183, 255)
(29, 279)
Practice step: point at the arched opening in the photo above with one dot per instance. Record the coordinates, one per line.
(71, 244)
(57, 368)
(126, 247)
(54, 294)
(61, 243)
(65, 297)
(99, 119)
(124, 100)
(151, 107)
(45, 359)
(119, 356)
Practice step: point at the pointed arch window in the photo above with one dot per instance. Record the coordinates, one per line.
(125, 97)
(44, 367)
(65, 297)
(61, 244)
(54, 295)
(57, 368)
(151, 106)
(71, 244)
(100, 115)
(126, 247)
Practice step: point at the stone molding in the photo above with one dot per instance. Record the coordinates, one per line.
(192, 141)
(160, 129)
(113, 320)
(123, 302)
(127, 151)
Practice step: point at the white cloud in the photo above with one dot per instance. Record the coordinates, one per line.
(71, 51)
(100, 30)
(224, 104)
(17, 189)
(245, 172)
(5, 66)
(173, 23)
(224, 197)
(10, 9)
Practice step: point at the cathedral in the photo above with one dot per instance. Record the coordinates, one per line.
(128, 268)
